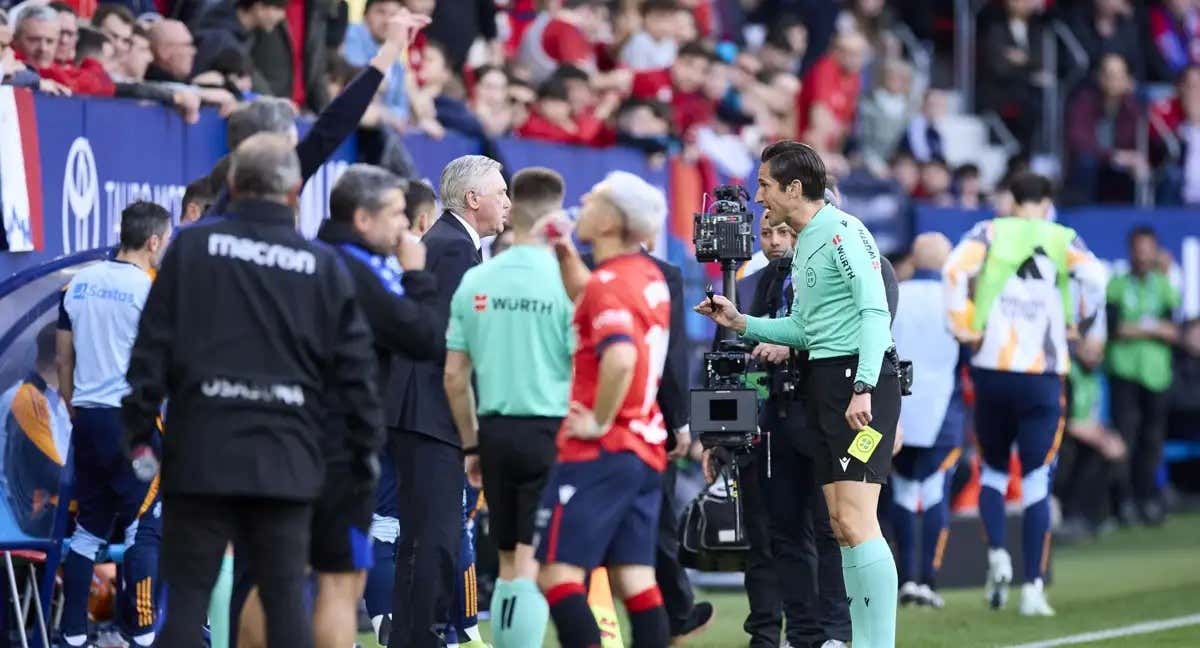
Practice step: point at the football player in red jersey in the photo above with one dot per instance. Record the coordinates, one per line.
(601, 502)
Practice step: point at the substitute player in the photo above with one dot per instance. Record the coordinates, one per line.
(841, 317)
(97, 325)
(933, 424)
(1008, 293)
(512, 311)
(601, 503)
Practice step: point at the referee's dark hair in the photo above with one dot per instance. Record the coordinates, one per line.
(140, 221)
(1027, 187)
(536, 191)
(362, 187)
(789, 161)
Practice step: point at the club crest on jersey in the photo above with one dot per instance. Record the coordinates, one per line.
(837, 239)
(565, 493)
(481, 302)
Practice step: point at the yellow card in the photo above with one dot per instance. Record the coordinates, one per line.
(864, 444)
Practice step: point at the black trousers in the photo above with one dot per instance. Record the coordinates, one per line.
(272, 534)
(764, 624)
(808, 560)
(1083, 481)
(672, 579)
(1141, 418)
(429, 490)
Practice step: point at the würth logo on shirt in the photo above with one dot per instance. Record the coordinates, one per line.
(480, 303)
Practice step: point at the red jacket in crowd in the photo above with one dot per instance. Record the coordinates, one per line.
(588, 131)
(688, 109)
(87, 78)
(831, 86)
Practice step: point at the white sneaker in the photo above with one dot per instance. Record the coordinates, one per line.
(833, 643)
(930, 598)
(1000, 574)
(910, 592)
(1033, 600)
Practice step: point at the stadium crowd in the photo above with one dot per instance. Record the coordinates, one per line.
(713, 83)
(712, 80)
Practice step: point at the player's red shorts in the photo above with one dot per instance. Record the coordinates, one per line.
(600, 512)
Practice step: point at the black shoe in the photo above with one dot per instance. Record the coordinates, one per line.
(1127, 514)
(1153, 513)
(385, 629)
(698, 621)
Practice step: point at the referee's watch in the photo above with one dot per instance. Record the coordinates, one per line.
(861, 387)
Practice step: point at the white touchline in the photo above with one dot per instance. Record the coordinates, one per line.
(1125, 631)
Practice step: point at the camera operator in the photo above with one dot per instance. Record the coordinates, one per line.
(841, 317)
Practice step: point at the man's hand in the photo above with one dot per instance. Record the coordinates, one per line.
(581, 423)
(899, 442)
(472, 470)
(708, 465)
(858, 414)
(411, 252)
(722, 311)
(54, 87)
(400, 32)
(188, 104)
(683, 441)
(771, 353)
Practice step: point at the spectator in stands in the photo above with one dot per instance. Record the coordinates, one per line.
(1108, 27)
(1002, 200)
(68, 33)
(37, 43)
(233, 25)
(489, 100)
(93, 44)
(115, 21)
(137, 60)
(924, 138)
(16, 73)
(1011, 76)
(563, 36)
(1185, 390)
(1178, 121)
(646, 126)
(906, 172)
(362, 43)
(1141, 304)
(174, 52)
(829, 95)
(969, 186)
(884, 116)
(786, 46)
(292, 57)
(1104, 163)
(935, 183)
(553, 120)
(231, 71)
(196, 200)
(1175, 28)
(681, 86)
(457, 24)
(653, 47)
(521, 96)
(873, 19)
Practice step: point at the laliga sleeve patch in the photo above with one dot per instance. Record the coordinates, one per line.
(864, 444)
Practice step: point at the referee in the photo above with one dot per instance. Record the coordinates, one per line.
(841, 317)
(249, 331)
(513, 312)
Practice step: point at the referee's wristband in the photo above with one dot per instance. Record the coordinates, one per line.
(473, 450)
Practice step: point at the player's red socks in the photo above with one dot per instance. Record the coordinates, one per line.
(651, 628)
(572, 617)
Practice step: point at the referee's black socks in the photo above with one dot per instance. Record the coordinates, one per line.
(573, 618)
(651, 628)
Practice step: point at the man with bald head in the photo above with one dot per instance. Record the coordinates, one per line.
(242, 452)
(174, 52)
(932, 419)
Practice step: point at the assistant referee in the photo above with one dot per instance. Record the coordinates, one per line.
(840, 316)
(513, 312)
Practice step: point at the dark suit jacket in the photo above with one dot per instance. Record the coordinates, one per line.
(415, 399)
(674, 392)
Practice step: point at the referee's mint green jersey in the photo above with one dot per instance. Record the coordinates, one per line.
(512, 316)
(840, 307)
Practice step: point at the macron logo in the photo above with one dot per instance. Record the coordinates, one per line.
(267, 255)
(845, 461)
(565, 493)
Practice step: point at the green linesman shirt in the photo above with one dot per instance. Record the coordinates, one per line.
(840, 307)
(512, 316)
(1131, 300)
